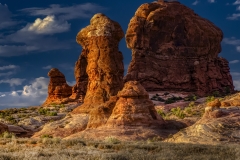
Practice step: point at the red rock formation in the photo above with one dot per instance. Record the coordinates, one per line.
(3, 128)
(80, 88)
(58, 89)
(175, 49)
(134, 108)
(102, 60)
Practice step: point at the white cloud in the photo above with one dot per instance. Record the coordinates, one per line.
(236, 2)
(71, 83)
(195, 2)
(211, 1)
(235, 74)
(238, 48)
(6, 74)
(236, 84)
(33, 94)
(66, 13)
(234, 16)
(234, 61)
(8, 67)
(48, 25)
(231, 41)
(238, 8)
(13, 81)
(47, 67)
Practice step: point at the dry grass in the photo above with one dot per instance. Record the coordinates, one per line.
(80, 149)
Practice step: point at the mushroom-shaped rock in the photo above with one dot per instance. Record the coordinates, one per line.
(58, 89)
(134, 108)
(175, 49)
(102, 61)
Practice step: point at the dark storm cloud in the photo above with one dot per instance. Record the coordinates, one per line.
(5, 17)
(71, 12)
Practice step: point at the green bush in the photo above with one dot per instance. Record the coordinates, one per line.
(46, 112)
(161, 113)
(190, 98)
(51, 114)
(173, 100)
(216, 94)
(46, 136)
(178, 112)
(7, 135)
(210, 98)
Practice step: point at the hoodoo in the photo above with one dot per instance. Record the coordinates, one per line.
(58, 89)
(102, 60)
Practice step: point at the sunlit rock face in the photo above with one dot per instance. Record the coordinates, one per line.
(101, 60)
(58, 89)
(175, 49)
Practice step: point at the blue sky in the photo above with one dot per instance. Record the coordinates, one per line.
(38, 35)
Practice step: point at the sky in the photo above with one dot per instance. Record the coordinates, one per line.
(36, 36)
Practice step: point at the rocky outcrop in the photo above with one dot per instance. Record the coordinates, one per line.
(134, 108)
(175, 49)
(233, 101)
(217, 126)
(3, 128)
(102, 60)
(58, 89)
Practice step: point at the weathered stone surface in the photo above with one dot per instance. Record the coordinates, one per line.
(3, 128)
(233, 101)
(80, 88)
(217, 126)
(134, 108)
(58, 89)
(102, 60)
(175, 49)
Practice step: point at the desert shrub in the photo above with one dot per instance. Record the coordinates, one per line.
(188, 110)
(161, 113)
(216, 94)
(43, 111)
(10, 119)
(51, 114)
(210, 98)
(62, 106)
(7, 135)
(227, 90)
(191, 98)
(46, 136)
(160, 99)
(112, 139)
(46, 112)
(173, 100)
(178, 112)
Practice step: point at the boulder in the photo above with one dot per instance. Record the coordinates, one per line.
(175, 49)
(3, 128)
(58, 89)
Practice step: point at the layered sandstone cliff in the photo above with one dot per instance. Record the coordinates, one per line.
(175, 49)
(58, 89)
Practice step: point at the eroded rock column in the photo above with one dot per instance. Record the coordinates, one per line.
(58, 89)
(104, 61)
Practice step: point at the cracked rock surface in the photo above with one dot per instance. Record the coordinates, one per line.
(174, 49)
